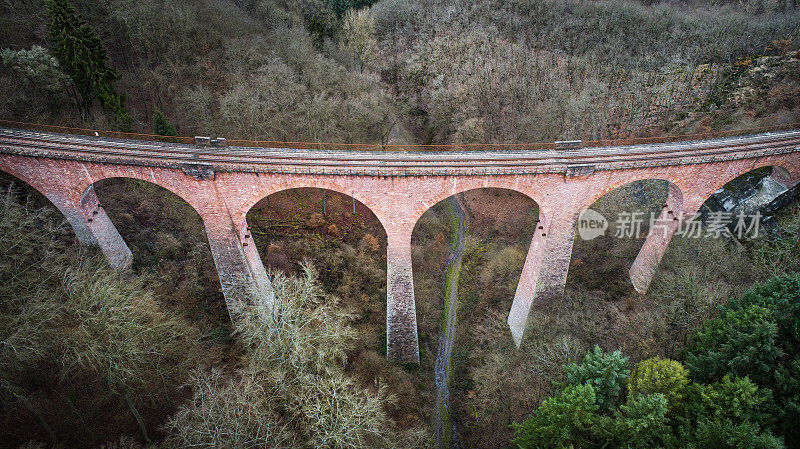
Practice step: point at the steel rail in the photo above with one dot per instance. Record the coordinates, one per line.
(382, 170)
(395, 147)
(660, 148)
(225, 157)
(53, 145)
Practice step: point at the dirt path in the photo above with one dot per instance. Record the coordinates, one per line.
(444, 351)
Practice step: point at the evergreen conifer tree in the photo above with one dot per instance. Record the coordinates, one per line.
(82, 55)
(161, 126)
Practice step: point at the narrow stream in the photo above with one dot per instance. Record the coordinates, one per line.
(445, 348)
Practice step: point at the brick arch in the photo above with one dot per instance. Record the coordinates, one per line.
(697, 193)
(158, 177)
(539, 206)
(790, 163)
(676, 187)
(59, 196)
(650, 251)
(515, 184)
(728, 176)
(316, 183)
(8, 169)
(541, 213)
(89, 203)
(784, 173)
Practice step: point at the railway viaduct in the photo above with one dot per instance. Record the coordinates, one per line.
(223, 183)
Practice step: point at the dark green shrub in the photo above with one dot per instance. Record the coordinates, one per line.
(162, 126)
(757, 335)
(642, 422)
(742, 341)
(731, 413)
(82, 56)
(723, 434)
(340, 7)
(782, 296)
(605, 371)
(566, 419)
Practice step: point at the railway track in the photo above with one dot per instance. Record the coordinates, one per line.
(376, 163)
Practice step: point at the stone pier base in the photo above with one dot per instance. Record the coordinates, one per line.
(545, 272)
(655, 245)
(402, 344)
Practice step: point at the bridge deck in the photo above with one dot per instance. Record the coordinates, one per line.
(391, 163)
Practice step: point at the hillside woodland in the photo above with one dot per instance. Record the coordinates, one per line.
(437, 72)
(149, 357)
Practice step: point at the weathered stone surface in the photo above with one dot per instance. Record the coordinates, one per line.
(241, 272)
(401, 312)
(222, 185)
(578, 171)
(198, 171)
(544, 274)
(105, 233)
(655, 245)
(784, 177)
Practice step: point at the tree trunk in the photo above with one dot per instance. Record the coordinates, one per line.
(138, 417)
(41, 420)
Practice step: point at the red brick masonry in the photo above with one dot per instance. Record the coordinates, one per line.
(222, 184)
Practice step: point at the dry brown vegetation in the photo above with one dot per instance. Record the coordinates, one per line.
(400, 71)
(437, 72)
(170, 250)
(494, 383)
(350, 251)
(87, 353)
(293, 390)
(262, 382)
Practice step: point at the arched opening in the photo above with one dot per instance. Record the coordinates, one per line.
(752, 191)
(306, 223)
(603, 253)
(647, 280)
(28, 196)
(760, 212)
(499, 226)
(168, 242)
(346, 243)
(703, 265)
